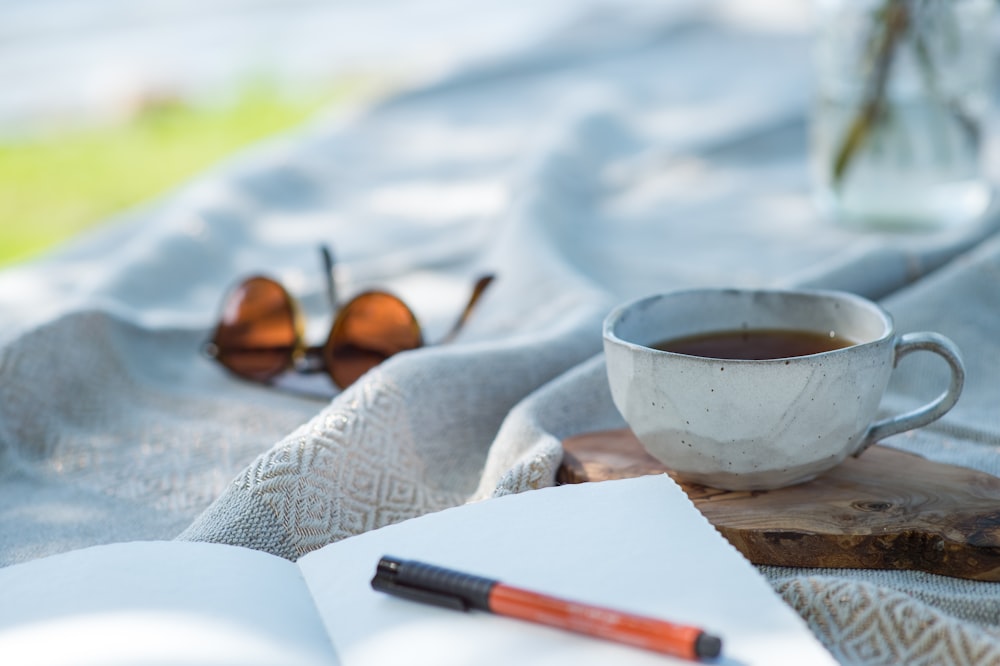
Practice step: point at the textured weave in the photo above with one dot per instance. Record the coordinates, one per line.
(617, 159)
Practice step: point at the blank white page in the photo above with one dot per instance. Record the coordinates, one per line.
(146, 603)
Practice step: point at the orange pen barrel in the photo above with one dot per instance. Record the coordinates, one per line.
(644, 632)
(436, 585)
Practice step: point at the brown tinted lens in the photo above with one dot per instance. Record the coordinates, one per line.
(369, 329)
(257, 333)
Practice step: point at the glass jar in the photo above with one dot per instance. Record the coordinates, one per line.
(901, 111)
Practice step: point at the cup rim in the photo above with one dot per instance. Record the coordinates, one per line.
(616, 313)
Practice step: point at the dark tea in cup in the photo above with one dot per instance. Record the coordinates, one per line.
(755, 344)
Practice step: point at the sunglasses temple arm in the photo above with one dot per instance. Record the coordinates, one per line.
(331, 285)
(477, 291)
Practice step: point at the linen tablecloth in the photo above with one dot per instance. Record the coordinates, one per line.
(638, 149)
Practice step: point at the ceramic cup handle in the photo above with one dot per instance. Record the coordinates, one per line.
(946, 349)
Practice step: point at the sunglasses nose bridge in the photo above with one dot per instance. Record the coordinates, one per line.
(308, 360)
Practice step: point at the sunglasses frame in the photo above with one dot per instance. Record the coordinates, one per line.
(299, 357)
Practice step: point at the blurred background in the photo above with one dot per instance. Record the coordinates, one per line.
(108, 103)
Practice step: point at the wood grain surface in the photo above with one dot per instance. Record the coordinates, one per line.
(887, 509)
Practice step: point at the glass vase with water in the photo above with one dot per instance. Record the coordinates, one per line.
(901, 111)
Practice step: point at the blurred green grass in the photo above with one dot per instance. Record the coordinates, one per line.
(57, 184)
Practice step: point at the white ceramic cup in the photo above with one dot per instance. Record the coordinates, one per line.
(761, 424)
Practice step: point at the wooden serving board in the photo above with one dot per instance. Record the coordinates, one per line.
(886, 509)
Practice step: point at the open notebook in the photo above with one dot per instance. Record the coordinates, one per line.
(637, 545)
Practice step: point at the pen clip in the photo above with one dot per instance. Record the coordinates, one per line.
(385, 581)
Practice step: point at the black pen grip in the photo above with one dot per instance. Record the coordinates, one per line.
(473, 590)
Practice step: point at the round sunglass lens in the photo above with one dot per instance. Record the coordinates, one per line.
(257, 333)
(369, 329)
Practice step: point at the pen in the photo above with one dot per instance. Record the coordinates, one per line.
(436, 585)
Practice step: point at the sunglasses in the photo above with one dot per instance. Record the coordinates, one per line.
(260, 331)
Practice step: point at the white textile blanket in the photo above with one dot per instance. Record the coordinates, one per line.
(636, 153)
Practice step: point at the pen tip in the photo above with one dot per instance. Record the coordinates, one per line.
(707, 646)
